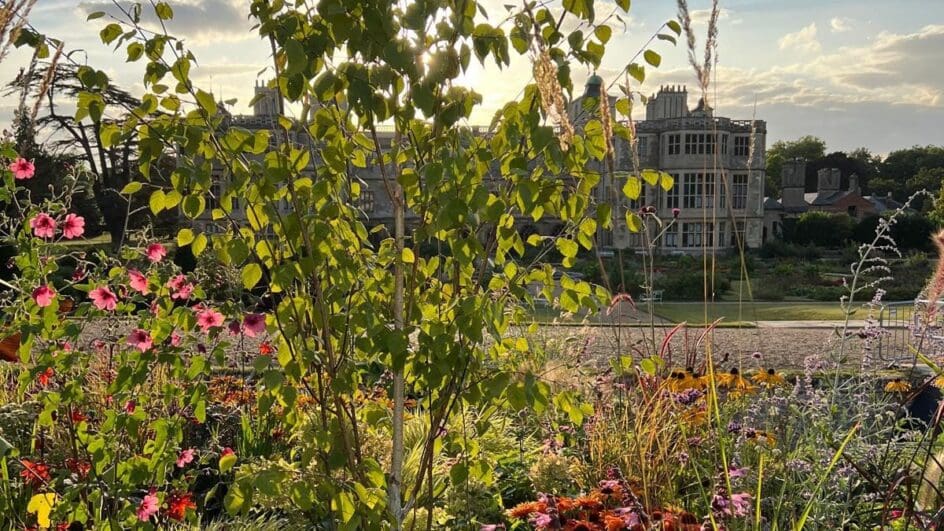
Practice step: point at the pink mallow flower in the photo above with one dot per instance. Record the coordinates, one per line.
(156, 252)
(175, 339)
(150, 505)
(185, 458)
(73, 226)
(22, 168)
(141, 340)
(180, 288)
(44, 295)
(208, 318)
(254, 324)
(138, 281)
(104, 298)
(43, 225)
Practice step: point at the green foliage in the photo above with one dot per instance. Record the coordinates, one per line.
(808, 147)
(823, 229)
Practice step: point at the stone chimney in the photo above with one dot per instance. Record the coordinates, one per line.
(793, 184)
(854, 184)
(827, 180)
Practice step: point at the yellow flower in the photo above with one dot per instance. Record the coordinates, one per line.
(938, 382)
(769, 378)
(676, 381)
(897, 386)
(759, 436)
(41, 505)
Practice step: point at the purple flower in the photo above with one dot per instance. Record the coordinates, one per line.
(675, 213)
(543, 520)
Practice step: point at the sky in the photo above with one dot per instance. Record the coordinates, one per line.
(856, 73)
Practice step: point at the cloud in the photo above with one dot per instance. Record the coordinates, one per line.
(197, 21)
(803, 40)
(839, 24)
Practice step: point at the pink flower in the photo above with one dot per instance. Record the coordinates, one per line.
(149, 507)
(130, 406)
(676, 212)
(44, 295)
(43, 226)
(156, 252)
(741, 504)
(208, 318)
(73, 226)
(233, 327)
(103, 298)
(180, 288)
(22, 168)
(254, 324)
(175, 339)
(141, 340)
(542, 520)
(186, 457)
(227, 451)
(138, 282)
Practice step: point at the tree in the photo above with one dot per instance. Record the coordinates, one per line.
(901, 171)
(808, 147)
(112, 161)
(823, 229)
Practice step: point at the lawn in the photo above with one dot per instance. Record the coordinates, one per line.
(757, 311)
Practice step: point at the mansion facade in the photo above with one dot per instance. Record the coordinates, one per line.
(718, 197)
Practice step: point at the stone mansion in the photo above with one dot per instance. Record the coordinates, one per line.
(718, 197)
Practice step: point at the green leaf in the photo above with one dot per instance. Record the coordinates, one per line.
(674, 26)
(156, 202)
(184, 237)
(407, 256)
(637, 72)
(226, 463)
(666, 181)
(633, 187)
(251, 275)
(164, 12)
(603, 33)
(648, 366)
(633, 222)
(458, 473)
(623, 4)
(666, 37)
(567, 247)
(110, 33)
(652, 58)
(199, 244)
(650, 176)
(95, 14)
(206, 101)
(135, 51)
(131, 188)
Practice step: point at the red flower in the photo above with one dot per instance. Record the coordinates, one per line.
(22, 168)
(43, 377)
(77, 416)
(34, 474)
(227, 451)
(178, 503)
(78, 467)
(265, 348)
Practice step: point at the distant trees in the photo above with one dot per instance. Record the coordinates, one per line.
(823, 229)
(808, 147)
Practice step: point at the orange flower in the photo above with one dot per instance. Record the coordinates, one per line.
(565, 504)
(588, 503)
(580, 525)
(613, 523)
(524, 510)
(44, 377)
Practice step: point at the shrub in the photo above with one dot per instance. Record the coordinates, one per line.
(823, 229)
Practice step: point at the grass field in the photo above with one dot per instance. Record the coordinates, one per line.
(757, 311)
